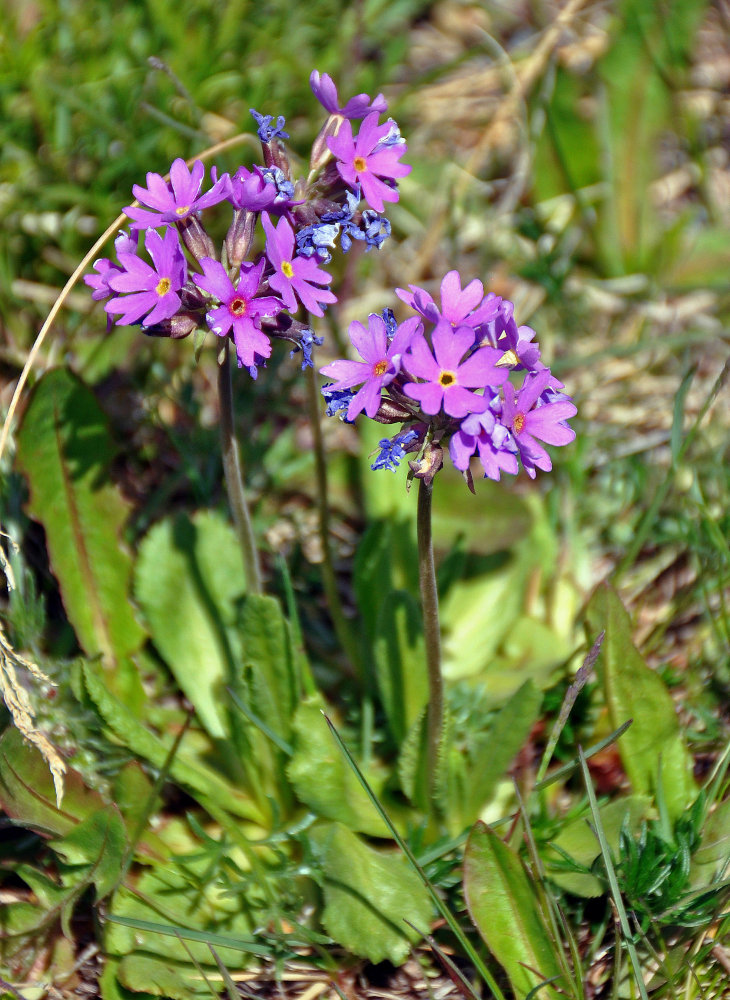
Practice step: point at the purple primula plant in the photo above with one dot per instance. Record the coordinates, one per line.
(269, 273)
(446, 376)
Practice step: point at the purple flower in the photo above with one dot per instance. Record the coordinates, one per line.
(363, 161)
(447, 380)
(380, 364)
(325, 91)
(527, 420)
(240, 308)
(266, 131)
(251, 190)
(107, 269)
(484, 433)
(460, 307)
(175, 201)
(152, 290)
(295, 277)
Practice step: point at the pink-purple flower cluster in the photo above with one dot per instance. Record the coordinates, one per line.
(460, 374)
(252, 287)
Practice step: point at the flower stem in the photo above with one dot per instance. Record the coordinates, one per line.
(432, 634)
(234, 476)
(340, 623)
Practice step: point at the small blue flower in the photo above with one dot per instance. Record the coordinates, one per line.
(315, 239)
(266, 131)
(306, 344)
(337, 401)
(390, 322)
(347, 211)
(376, 229)
(284, 187)
(392, 450)
(393, 138)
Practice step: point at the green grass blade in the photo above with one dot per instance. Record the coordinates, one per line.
(611, 875)
(445, 912)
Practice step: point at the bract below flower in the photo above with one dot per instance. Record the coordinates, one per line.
(241, 308)
(380, 365)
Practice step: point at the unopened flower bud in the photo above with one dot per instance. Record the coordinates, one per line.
(275, 155)
(240, 236)
(391, 412)
(179, 326)
(321, 154)
(196, 238)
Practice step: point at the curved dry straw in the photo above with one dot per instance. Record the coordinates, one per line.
(235, 140)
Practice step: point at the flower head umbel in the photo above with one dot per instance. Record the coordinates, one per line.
(366, 162)
(298, 222)
(149, 291)
(240, 310)
(325, 91)
(176, 201)
(380, 365)
(294, 277)
(448, 383)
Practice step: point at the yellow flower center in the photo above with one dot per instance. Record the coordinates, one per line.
(182, 210)
(446, 379)
(360, 164)
(163, 286)
(380, 368)
(237, 306)
(519, 422)
(286, 269)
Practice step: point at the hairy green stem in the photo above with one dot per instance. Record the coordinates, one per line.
(340, 623)
(234, 476)
(432, 634)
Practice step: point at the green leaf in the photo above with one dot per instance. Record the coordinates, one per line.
(322, 778)
(474, 772)
(413, 763)
(27, 794)
(204, 783)
(578, 840)
(713, 854)
(503, 904)
(188, 578)
(144, 974)
(368, 896)
(98, 842)
(177, 910)
(268, 652)
(64, 449)
(652, 749)
(400, 662)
